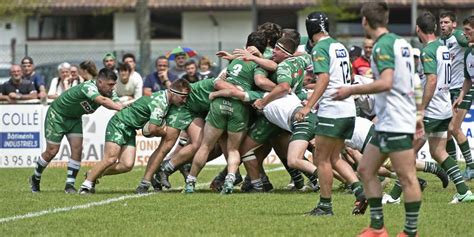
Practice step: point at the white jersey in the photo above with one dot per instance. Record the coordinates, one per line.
(469, 64)
(436, 60)
(395, 109)
(361, 130)
(456, 44)
(279, 111)
(364, 102)
(330, 56)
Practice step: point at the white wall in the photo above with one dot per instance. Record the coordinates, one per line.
(16, 31)
(125, 30)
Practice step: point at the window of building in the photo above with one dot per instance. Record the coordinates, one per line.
(70, 27)
(286, 19)
(166, 25)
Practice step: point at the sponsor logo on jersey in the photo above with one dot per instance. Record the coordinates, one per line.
(318, 58)
(341, 53)
(87, 107)
(405, 52)
(446, 56)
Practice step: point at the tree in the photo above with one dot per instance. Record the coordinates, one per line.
(142, 17)
(335, 10)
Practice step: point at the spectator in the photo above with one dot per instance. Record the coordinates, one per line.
(179, 69)
(75, 77)
(28, 69)
(361, 65)
(191, 72)
(205, 68)
(354, 53)
(61, 83)
(128, 88)
(17, 88)
(88, 70)
(130, 60)
(159, 80)
(109, 61)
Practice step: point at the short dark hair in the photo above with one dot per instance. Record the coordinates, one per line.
(272, 32)
(258, 40)
(124, 67)
(287, 44)
(27, 58)
(107, 74)
(190, 62)
(376, 14)
(89, 67)
(161, 58)
(128, 55)
(181, 85)
(426, 22)
(292, 34)
(469, 21)
(449, 14)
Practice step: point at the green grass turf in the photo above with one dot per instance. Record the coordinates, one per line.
(204, 213)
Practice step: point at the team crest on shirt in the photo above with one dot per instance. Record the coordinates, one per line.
(341, 53)
(450, 45)
(405, 52)
(446, 56)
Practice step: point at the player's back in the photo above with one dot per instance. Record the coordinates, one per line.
(241, 73)
(395, 108)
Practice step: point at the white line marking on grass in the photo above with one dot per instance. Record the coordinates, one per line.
(99, 203)
(67, 209)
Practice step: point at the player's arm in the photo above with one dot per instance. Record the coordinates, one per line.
(431, 80)
(108, 103)
(264, 63)
(278, 91)
(156, 130)
(263, 82)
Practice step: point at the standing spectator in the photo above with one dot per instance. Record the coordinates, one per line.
(159, 80)
(205, 68)
(191, 72)
(75, 77)
(127, 87)
(61, 83)
(361, 65)
(28, 69)
(109, 61)
(17, 88)
(179, 68)
(88, 70)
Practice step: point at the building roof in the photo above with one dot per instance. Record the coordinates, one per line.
(87, 5)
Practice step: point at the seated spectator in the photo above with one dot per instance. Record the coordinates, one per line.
(179, 68)
(127, 87)
(75, 77)
(17, 88)
(159, 80)
(130, 59)
(205, 68)
(88, 70)
(109, 61)
(61, 83)
(28, 70)
(191, 72)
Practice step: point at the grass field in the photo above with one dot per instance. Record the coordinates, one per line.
(116, 211)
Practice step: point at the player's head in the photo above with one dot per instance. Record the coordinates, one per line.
(468, 28)
(292, 34)
(425, 25)
(447, 22)
(179, 90)
(88, 70)
(258, 40)
(284, 48)
(317, 22)
(106, 81)
(272, 32)
(374, 15)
